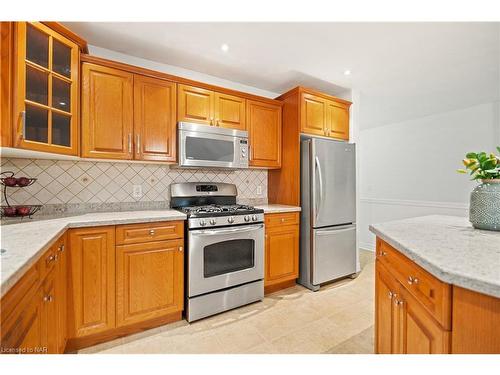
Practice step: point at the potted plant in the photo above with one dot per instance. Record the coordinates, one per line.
(484, 211)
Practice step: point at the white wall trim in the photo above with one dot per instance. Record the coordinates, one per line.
(419, 203)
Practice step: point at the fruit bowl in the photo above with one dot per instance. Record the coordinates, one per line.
(20, 210)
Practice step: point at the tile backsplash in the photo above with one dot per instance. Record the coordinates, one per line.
(99, 182)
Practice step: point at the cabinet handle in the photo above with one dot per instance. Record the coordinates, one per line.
(23, 125)
(51, 258)
(412, 280)
(61, 248)
(130, 143)
(152, 232)
(217, 122)
(180, 249)
(48, 298)
(282, 220)
(390, 294)
(211, 121)
(382, 253)
(398, 302)
(139, 144)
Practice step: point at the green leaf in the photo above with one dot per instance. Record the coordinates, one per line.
(461, 171)
(498, 148)
(482, 156)
(471, 155)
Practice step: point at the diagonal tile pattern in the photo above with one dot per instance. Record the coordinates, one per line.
(63, 182)
(337, 319)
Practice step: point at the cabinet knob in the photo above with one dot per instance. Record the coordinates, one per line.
(398, 302)
(152, 232)
(61, 248)
(211, 121)
(217, 122)
(48, 298)
(51, 258)
(412, 280)
(282, 220)
(390, 294)
(180, 249)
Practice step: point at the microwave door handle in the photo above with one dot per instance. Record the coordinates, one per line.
(226, 231)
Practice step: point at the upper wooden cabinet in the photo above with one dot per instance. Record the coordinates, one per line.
(154, 119)
(323, 116)
(210, 108)
(46, 86)
(107, 112)
(264, 132)
(127, 116)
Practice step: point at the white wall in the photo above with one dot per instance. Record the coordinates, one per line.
(409, 168)
(175, 70)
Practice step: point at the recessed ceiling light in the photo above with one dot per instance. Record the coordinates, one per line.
(347, 72)
(224, 47)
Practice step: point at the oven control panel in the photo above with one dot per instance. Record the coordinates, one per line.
(220, 221)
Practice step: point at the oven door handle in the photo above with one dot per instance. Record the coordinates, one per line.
(226, 231)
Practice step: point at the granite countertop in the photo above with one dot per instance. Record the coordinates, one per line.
(24, 243)
(449, 248)
(277, 208)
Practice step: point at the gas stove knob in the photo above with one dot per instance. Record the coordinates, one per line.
(230, 219)
(203, 222)
(247, 218)
(254, 217)
(212, 222)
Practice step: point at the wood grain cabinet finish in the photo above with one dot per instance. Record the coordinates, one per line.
(149, 281)
(107, 112)
(337, 120)
(264, 133)
(140, 233)
(61, 292)
(45, 90)
(281, 251)
(195, 105)
(313, 114)
(229, 111)
(92, 280)
(386, 288)
(155, 128)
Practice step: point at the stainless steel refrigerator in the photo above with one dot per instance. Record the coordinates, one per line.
(328, 217)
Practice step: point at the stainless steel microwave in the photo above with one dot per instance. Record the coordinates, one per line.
(212, 147)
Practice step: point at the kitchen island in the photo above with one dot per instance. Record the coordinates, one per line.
(437, 287)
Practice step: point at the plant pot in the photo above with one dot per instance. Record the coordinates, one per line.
(484, 212)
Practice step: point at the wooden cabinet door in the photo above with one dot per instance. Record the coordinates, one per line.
(149, 280)
(92, 280)
(195, 105)
(50, 332)
(229, 111)
(385, 289)
(418, 332)
(107, 112)
(282, 254)
(337, 120)
(264, 132)
(61, 293)
(46, 96)
(313, 114)
(154, 119)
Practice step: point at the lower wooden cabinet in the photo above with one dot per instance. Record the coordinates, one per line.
(149, 280)
(281, 251)
(402, 323)
(92, 280)
(34, 311)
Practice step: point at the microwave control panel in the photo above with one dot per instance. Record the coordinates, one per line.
(243, 150)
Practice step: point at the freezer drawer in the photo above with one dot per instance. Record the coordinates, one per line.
(334, 253)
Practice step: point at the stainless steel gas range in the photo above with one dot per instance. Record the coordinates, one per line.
(225, 248)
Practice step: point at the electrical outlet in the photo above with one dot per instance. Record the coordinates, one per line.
(137, 191)
(259, 190)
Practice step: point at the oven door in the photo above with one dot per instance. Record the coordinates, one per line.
(198, 148)
(226, 257)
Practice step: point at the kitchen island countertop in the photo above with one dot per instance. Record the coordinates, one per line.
(449, 248)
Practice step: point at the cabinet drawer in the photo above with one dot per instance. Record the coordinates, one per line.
(137, 233)
(288, 218)
(433, 294)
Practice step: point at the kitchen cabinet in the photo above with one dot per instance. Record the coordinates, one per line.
(337, 120)
(403, 324)
(210, 108)
(154, 119)
(281, 250)
(34, 310)
(46, 82)
(91, 280)
(264, 133)
(61, 293)
(149, 280)
(313, 112)
(107, 112)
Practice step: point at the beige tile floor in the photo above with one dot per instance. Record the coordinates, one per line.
(336, 319)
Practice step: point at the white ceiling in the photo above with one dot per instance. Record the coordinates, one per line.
(402, 70)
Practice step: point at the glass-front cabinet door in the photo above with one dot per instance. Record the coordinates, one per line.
(46, 102)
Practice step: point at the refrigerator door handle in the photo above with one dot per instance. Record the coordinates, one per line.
(320, 176)
(335, 231)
